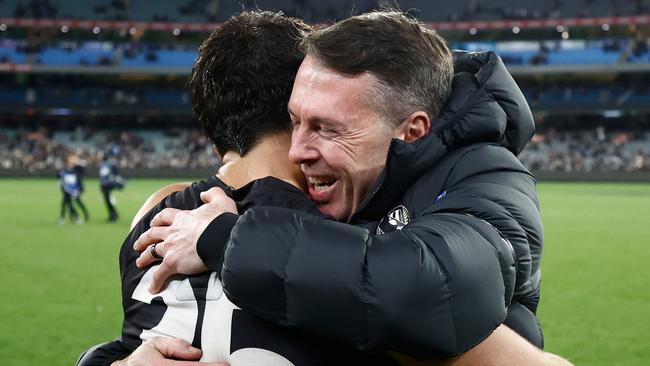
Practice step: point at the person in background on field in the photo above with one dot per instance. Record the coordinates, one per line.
(110, 179)
(71, 183)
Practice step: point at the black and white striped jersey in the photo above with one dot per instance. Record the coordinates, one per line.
(195, 308)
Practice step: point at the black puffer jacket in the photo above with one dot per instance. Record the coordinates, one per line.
(449, 238)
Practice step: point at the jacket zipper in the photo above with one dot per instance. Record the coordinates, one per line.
(381, 184)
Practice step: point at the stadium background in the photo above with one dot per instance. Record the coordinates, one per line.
(86, 77)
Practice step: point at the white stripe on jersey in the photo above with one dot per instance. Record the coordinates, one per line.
(179, 321)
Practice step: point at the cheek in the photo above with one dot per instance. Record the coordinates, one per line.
(335, 158)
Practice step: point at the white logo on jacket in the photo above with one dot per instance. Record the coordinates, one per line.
(396, 219)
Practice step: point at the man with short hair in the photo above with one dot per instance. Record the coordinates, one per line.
(381, 136)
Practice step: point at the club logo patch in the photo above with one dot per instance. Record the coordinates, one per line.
(396, 219)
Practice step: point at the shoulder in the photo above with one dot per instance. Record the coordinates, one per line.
(485, 170)
(156, 198)
(274, 192)
(182, 195)
(479, 160)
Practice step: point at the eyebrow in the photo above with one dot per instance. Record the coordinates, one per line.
(317, 119)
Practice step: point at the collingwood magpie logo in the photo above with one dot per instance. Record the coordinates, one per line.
(396, 219)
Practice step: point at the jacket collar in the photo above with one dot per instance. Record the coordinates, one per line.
(485, 106)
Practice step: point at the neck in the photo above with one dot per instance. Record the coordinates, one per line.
(268, 158)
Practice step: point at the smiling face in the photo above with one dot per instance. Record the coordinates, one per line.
(340, 142)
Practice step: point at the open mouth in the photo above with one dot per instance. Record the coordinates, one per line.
(321, 183)
(319, 187)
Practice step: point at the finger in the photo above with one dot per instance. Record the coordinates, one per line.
(147, 257)
(153, 235)
(212, 194)
(160, 276)
(175, 348)
(164, 217)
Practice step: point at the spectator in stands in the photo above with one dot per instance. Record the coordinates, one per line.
(19, 11)
(640, 45)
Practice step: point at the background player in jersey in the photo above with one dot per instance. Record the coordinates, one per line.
(109, 180)
(71, 184)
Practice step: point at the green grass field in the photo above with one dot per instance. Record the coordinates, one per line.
(60, 284)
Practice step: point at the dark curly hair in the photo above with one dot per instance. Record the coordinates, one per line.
(242, 78)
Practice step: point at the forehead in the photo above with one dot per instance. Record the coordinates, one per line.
(320, 91)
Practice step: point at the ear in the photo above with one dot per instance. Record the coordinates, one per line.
(216, 151)
(415, 126)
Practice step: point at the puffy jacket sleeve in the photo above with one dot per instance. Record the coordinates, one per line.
(438, 286)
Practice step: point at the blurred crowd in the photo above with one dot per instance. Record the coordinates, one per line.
(193, 10)
(37, 150)
(40, 150)
(554, 9)
(588, 151)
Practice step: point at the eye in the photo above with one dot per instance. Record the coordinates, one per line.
(326, 130)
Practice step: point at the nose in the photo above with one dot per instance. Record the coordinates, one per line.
(302, 149)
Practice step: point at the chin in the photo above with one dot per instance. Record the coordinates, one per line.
(331, 211)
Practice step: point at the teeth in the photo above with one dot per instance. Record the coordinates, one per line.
(320, 183)
(320, 180)
(320, 188)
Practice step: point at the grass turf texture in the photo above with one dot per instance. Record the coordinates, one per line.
(60, 284)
